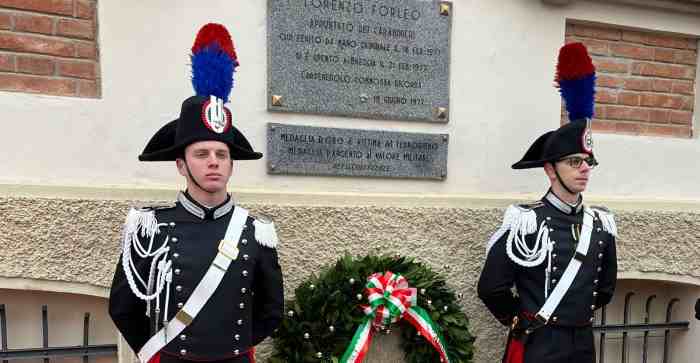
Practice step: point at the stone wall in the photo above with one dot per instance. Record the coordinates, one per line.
(77, 241)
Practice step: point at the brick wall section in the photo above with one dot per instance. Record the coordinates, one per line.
(646, 80)
(49, 47)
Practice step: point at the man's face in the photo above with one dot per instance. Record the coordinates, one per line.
(210, 164)
(575, 177)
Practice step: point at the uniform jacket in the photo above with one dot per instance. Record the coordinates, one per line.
(246, 307)
(593, 286)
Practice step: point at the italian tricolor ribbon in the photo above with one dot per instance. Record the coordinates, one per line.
(391, 300)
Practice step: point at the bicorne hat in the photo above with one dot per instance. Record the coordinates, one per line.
(576, 82)
(204, 117)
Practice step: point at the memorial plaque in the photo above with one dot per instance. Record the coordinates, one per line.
(311, 150)
(386, 59)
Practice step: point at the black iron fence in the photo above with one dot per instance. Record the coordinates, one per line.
(645, 328)
(45, 352)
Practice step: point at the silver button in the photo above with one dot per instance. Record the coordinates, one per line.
(599, 269)
(554, 319)
(176, 255)
(595, 293)
(600, 256)
(595, 281)
(178, 288)
(554, 255)
(245, 226)
(243, 290)
(597, 229)
(549, 218)
(600, 243)
(241, 305)
(554, 281)
(551, 229)
(592, 307)
(183, 352)
(239, 322)
(183, 337)
(177, 271)
(245, 257)
(180, 305)
(554, 268)
(174, 239)
(592, 319)
(237, 337)
(236, 352)
(244, 273)
(172, 224)
(244, 241)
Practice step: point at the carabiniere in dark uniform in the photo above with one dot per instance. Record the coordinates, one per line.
(560, 255)
(195, 282)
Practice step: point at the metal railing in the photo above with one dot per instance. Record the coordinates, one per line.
(646, 328)
(85, 350)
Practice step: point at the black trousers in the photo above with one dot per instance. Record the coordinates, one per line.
(167, 358)
(554, 344)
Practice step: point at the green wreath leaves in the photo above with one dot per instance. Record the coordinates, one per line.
(320, 322)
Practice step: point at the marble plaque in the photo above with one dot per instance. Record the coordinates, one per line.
(384, 59)
(308, 150)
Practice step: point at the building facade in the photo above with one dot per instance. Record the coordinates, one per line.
(84, 84)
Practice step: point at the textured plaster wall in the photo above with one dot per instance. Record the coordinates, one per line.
(75, 240)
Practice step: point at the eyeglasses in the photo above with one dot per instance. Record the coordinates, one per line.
(576, 161)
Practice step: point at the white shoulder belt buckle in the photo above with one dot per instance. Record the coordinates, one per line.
(227, 249)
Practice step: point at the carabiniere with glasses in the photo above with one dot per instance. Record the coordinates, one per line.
(557, 253)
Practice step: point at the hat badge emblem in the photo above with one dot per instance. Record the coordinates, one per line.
(587, 140)
(215, 116)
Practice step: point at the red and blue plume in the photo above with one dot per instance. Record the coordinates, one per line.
(213, 62)
(576, 78)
